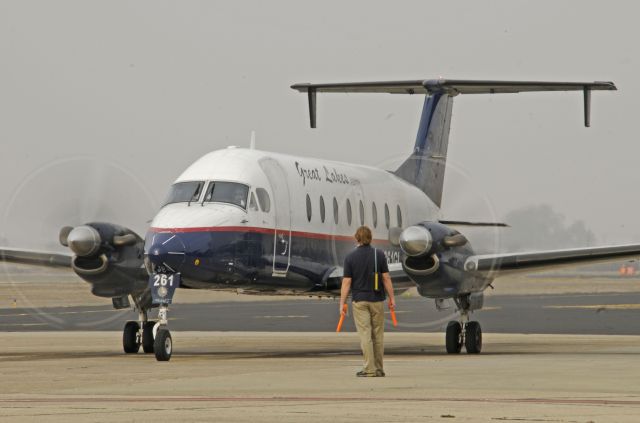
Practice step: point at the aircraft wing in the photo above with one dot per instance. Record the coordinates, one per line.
(38, 258)
(495, 265)
(396, 271)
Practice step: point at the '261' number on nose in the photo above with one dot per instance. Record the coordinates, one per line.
(162, 280)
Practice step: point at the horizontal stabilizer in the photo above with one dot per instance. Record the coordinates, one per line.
(451, 87)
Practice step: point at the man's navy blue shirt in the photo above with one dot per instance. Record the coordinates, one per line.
(359, 265)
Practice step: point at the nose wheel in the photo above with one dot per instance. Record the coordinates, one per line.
(163, 345)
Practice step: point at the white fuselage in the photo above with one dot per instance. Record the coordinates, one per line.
(300, 177)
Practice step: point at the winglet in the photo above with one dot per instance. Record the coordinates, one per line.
(587, 106)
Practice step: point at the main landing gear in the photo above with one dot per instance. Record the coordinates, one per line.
(463, 332)
(138, 333)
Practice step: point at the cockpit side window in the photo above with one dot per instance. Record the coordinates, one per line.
(252, 202)
(227, 192)
(183, 192)
(263, 199)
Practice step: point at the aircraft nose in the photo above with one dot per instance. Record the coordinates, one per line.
(168, 250)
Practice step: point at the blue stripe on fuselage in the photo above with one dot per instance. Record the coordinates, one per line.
(244, 259)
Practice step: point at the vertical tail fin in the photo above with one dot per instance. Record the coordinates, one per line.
(425, 168)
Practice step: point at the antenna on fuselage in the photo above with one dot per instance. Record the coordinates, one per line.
(252, 144)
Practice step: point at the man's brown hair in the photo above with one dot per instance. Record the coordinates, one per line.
(363, 235)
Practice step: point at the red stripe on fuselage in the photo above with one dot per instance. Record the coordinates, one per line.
(254, 229)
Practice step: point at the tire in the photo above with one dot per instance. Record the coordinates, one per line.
(453, 341)
(147, 336)
(131, 337)
(473, 338)
(163, 345)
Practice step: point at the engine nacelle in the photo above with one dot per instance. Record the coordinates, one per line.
(434, 256)
(108, 256)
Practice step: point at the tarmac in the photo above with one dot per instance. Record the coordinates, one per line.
(302, 376)
(294, 377)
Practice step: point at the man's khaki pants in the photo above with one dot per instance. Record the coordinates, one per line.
(369, 319)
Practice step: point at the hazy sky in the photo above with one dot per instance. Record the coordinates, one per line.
(104, 103)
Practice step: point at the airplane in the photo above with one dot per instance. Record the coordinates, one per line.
(277, 224)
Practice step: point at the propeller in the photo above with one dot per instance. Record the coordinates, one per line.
(54, 203)
(57, 206)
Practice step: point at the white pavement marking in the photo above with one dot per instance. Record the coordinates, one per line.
(280, 317)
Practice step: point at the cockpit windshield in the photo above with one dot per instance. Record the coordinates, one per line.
(227, 192)
(183, 192)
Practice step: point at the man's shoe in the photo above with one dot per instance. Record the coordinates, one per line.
(380, 373)
(362, 373)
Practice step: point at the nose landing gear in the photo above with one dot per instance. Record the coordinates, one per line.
(162, 344)
(154, 336)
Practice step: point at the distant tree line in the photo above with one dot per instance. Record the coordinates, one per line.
(539, 227)
(532, 228)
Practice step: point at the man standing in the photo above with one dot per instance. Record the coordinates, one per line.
(366, 275)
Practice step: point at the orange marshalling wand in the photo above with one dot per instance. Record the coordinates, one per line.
(393, 316)
(344, 309)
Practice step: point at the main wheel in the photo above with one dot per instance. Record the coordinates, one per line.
(131, 337)
(473, 338)
(147, 336)
(454, 340)
(162, 345)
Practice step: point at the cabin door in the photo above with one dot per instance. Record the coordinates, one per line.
(281, 206)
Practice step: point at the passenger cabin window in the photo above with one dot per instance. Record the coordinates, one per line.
(361, 213)
(399, 217)
(374, 214)
(263, 199)
(227, 192)
(322, 209)
(308, 208)
(387, 218)
(335, 210)
(348, 212)
(184, 192)
(253, 205)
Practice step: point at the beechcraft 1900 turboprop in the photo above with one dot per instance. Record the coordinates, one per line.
(267, 223)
